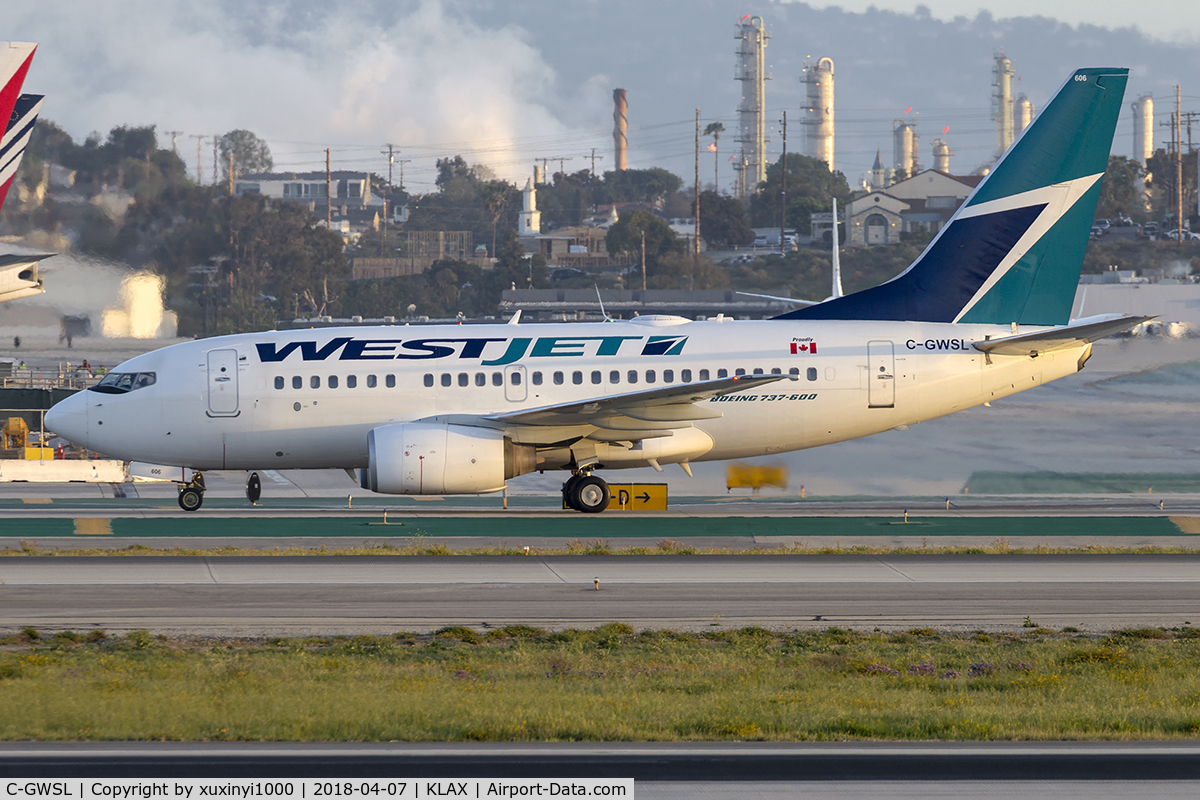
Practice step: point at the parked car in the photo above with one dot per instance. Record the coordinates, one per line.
(1103, 224)
(1150, 228)
(1188, 236)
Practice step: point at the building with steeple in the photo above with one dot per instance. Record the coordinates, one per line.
(877, 174)
(531, 218)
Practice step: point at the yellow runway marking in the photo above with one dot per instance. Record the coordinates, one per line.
(93, 527)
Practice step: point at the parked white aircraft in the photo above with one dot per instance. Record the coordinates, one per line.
(982, 314)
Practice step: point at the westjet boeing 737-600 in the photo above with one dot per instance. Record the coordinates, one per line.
(983, 313)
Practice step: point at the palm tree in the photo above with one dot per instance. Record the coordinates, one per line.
(714, 130)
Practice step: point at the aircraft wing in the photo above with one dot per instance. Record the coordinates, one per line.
(631, 416)
(1082, 331)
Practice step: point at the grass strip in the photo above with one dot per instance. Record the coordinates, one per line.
(608, 684)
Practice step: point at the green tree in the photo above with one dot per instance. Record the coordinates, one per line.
(250, 153)
(1119, 193)
(810, 187)
(723, 220)
(625, 236)
(652, 185)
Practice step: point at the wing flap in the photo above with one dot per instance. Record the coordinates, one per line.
(1083, 331)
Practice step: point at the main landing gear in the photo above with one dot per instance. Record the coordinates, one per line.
(191, 494)
(586, 492)
(253, 488)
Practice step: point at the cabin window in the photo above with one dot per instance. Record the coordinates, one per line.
(315, 381)
(536, 378)
(390, 380)
(830, 374)
(668, 376)
(463, 379)
(794, 371)
(429, 379)
(632, 376)
(577, 377)
(333, 381)
(351, 381)
(596, 377)
(739, 372)
(297, 382)
(514, 377)
(758, 370)
(497, 379)
(372, 381)
(480, 379)
(614, 376)
(447, 379)
(812, 373)
(686, 376)
(703, 374)
(776, 371)
(278, 381)
(558, 379)
(722, 373)
(651, 376)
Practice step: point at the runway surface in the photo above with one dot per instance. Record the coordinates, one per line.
(266, 596)
(722, 769)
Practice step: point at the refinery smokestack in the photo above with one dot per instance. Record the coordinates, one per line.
(819, 113)
(1024, 113)
(1143, 128)
(1002, 103)
(941, 155)
(620, 129)
(904, 148)
(751, 71)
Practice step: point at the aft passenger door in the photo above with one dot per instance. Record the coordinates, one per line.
(881, 375)
(515, 390)
(222, 383)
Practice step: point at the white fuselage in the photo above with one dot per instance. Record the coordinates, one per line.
(223, 403)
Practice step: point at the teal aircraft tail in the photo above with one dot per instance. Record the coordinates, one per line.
(1014, 250)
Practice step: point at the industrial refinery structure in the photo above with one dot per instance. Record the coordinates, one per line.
(818, 116)
(751, 71)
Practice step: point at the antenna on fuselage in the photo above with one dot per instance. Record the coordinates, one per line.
(601, 299)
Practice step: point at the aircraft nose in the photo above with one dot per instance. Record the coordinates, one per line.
(69, 418)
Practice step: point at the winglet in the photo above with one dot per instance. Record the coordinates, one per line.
(516, 318)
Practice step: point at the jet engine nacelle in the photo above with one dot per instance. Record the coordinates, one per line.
(436, 458)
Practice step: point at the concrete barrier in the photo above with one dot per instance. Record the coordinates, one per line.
(60, 471)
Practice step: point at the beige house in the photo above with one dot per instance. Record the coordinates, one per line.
(926, 200)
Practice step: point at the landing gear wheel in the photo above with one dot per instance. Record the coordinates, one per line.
(568, 491)
(253, 488)
(590, 495)
(191, 499)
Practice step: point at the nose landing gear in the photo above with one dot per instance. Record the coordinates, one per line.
(587, 493)
(191, 494)
(253, 488)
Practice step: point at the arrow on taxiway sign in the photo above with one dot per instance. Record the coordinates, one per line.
(644, 497)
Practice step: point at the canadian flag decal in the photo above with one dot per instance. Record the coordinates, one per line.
(804, 348)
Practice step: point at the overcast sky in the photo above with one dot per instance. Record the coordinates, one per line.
(507, 81)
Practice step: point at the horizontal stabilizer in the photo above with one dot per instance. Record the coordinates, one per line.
(1089, 329)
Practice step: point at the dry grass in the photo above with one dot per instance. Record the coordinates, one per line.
(524, 684)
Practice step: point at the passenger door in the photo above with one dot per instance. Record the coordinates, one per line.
(881, 375)
(222, 383)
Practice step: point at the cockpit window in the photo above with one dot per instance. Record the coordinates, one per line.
(122, 382)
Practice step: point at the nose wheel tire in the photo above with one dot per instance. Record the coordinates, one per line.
(253, 488)
(589, 494)
(191, 499)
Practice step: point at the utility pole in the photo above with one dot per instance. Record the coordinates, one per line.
(562, 165)
(328, 193)
(174, 135)
(594, 157)
(1178, 168)
(402, 162)
(231, 173)
(643, 264)
(199, 137)
(783, 193)
(696, 243)
(391, 160)
(215, 140)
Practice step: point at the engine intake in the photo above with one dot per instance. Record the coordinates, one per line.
(434, 458)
